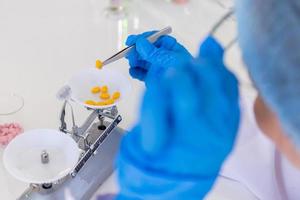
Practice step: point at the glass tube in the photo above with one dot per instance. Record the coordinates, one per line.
(117, 9)
(10, 103)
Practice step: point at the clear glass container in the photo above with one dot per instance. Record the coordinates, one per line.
(10, 105)
(117, 9)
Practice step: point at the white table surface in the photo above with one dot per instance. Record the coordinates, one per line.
(42, 43)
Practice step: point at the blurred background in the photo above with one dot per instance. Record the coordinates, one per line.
(42, 43)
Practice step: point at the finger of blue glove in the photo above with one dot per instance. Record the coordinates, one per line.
(185, 102)
(133, 55)
(231, 92)
(214, 102)
(210, 49)
(223, 89)
(231, 89)
(138, 73)
(184, 97)
(197, 94)
(145, 49)
(134, 60)
(154, 125)
(170, 43)
(213, 52)
(158, 57)
(131, 40)
(166, 41)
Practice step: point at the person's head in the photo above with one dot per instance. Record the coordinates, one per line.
(269, 36)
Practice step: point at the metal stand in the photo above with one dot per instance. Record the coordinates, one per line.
(99, 142)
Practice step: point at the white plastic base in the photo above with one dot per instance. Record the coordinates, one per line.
(90, 177)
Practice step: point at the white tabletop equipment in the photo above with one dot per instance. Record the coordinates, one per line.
(41, 156)
(71, 163)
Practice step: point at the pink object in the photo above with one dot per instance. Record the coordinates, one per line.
(9, 132)
(180, 1)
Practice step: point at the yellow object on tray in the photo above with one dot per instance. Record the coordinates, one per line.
(96, 90)
(90, 102)
(101, 103)
(110, 102)
(104, 89)
(116, 95)
(105, 97)
(105, 103)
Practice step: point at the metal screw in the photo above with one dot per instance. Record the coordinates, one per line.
(45, 157)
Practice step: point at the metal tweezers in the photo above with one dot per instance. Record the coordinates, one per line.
(152, 38)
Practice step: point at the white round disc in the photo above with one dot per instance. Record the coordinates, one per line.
(82, 82)
(22, 156)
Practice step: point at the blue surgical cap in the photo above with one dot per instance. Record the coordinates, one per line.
(269, 36)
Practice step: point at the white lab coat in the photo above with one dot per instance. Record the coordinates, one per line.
(257, 165)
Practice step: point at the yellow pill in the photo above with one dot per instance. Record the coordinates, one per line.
(101, 103)
(116, 95)
(90, 102)
(104, 96)
(104, 89)
(99, 64)
(96, 90)
(110, 102)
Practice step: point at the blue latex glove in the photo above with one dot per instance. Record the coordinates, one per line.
(153, 59)
(188, 125)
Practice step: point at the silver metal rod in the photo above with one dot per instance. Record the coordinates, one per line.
(81, 130)
(93, 148)
(221, 21)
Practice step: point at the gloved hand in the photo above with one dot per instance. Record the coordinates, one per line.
(188, 124)
(153, 59)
